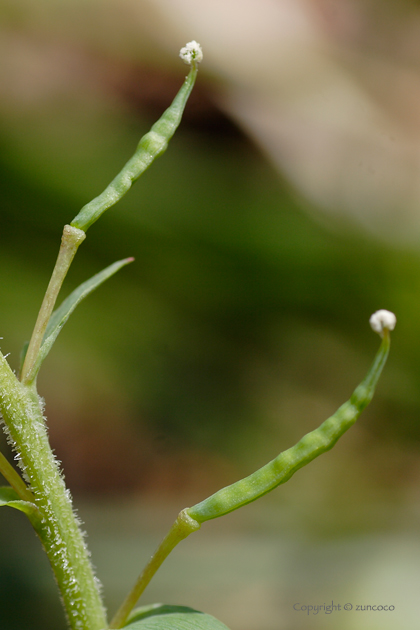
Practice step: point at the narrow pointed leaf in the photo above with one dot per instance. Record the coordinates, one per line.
(63, 312)
(10, 498)
(162, 617)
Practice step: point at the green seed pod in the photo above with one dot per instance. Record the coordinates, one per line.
(151, 146)
(310, 446)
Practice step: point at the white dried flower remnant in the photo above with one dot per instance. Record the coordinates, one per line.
(191, 53)
(382, 319)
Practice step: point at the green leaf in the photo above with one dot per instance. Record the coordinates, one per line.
(10, 498)
(63, 312)
(163, 617)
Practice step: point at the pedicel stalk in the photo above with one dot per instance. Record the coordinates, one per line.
(41, 492)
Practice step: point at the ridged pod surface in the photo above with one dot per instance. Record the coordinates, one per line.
(287, 463)
(150, 147)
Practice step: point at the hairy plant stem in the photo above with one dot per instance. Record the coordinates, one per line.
(183, 527)
(59, 530)
(70, 241)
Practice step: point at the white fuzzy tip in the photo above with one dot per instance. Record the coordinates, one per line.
(382, 319)
(191, 53)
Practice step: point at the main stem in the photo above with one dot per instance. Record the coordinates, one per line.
(60, 532)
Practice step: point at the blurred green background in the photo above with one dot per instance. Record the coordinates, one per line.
(241, 325)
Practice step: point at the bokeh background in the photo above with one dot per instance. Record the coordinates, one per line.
(285, 212)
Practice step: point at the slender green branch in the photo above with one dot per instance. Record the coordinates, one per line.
(151, 146)
(272, 474)
(183, 527)
(70, 241)
(15, 480)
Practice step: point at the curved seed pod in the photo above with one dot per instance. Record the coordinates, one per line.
(151, 146)
(310, 446)
(270, 476)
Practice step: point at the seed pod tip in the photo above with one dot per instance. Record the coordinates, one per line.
(381, 320)
(191, 53)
